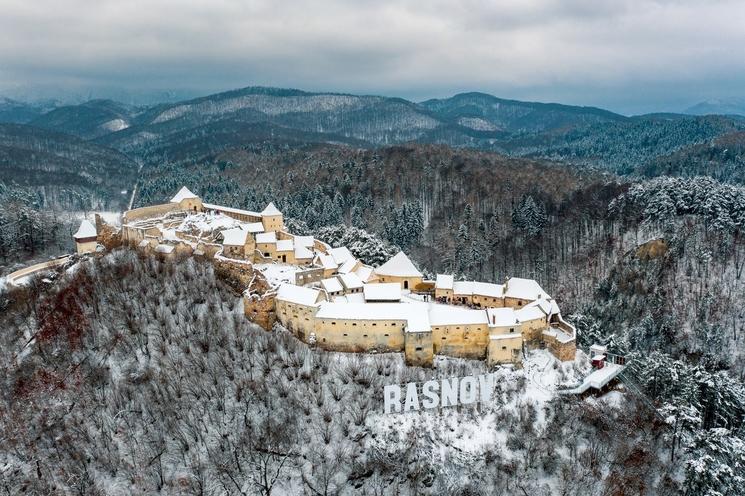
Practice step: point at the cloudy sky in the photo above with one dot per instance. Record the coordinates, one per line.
(629, 56)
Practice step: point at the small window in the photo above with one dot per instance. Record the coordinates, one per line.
(345, 334)
(364, 335)
(444, 338)
(512, 329)
(333, 323)
(386, 335)
(504, 347)
(418, 348)
(354, 323)
(375, 324)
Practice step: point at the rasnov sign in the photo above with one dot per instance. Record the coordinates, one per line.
(437, 394)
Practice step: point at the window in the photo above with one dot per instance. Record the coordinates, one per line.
(345, 334)
(375, 324)
(386, 335)
(444, 338)
(512, 329)
(504, 347)
(418, 348)
(354, 323)
(333, 323)
(364, 335)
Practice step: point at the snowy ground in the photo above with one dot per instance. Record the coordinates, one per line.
(112, 218)
(276, 273)
(469, 429)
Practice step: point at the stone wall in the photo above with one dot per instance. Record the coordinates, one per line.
(418, 349)
(147, 212)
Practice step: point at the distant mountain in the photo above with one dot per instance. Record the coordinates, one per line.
(88, 120)
(483, 112)
(732, 106)
(15, 112)
(64, 170)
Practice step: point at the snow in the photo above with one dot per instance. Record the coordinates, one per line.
(444, 281)
(183, 194)
(270, 210)
(414, 314)
(478, 288)
(86, 230)
(399, 266)
(364, 272)
(351, 281)
(268, 237)
(525, 289)
(452, 315)
(254, 227)
(285, 245)
(115, 125)
(326, 261)
(389, 291)
(220, 208)
(560, 335)
(302, 253)
(276, 274)
(234, 237)
(341, 254)
(306, 241)
(348, 266)
(530, 313)
(164, 249)
(202, 223)
(502, 317)
(298, 294)
(332, 285)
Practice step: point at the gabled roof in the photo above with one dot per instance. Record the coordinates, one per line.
(524, 289)
(267, 237)
(86, 230)
(183, 194)
(454, 315)
(254, 227)
(389, 291)
(234, 237)
(326, 261)
(399, 266)
(351, 281)
(270, 210)
(302, 252)
(332, 285)
(364, 272)
(306, 241)
(530, 313)
(444, 281)
(297, 294)
(348, 266)
(501, 317)
(341, 254)
(285, 245)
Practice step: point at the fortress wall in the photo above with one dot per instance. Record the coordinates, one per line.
(488, 301)
(533, 329)
(504, 350)
(298, 319)
(406, 282)
(359, 335)
(147, 212)
(462, 341)
(418, 349)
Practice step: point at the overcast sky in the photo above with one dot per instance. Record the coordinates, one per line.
(629, 56)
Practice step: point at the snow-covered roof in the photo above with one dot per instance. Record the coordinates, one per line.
(164, 248)
(389, 291)
(254, 227)
(267, 237)
(183, 194)
(415, 315)
(530, 313)
(144, 243)
(463, 287)
(332, 285)
(86, 230)
(488, 289)
(444, 281)
(501, 317)
(453, 315)
(326, 261)
(543, 304)
(364, 272)
(341, 254)
(302, 252)
(270, 210)
(399, 266)
(524, 289)
(285, 245)
(220, 208)
(560, 335)
(348, 266)
(234, 237)
(306, 241)
(350, 298)
(351, 281)
(298, 294)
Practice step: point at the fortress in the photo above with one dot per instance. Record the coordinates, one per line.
(328, 298)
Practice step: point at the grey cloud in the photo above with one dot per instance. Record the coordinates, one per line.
(627, 55)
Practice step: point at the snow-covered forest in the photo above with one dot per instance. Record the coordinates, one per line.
(136, 376)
